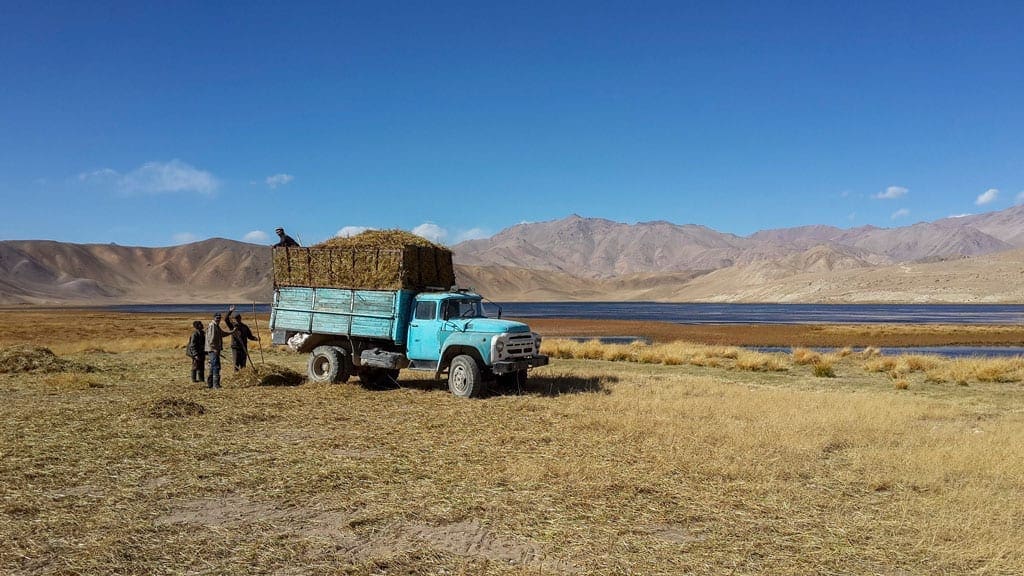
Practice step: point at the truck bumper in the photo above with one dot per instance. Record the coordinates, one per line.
(507, 366)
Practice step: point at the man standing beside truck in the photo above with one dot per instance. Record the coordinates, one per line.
(240, 337)
(214, 344)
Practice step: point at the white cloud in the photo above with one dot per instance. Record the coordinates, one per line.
(891, 193)
(256, 236)
(430, 231)
(964, 215)
(155, 178)
(101, 174)
(164, 177)
(279, 180)
(1020, 198)
(900, 213)
(185, 237)
(852, 216)
(347, 231)
(471, 234)
(987, 197)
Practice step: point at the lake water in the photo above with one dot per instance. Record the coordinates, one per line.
(705, 313)
(726, 314)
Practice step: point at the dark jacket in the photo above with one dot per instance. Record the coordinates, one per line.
(286, 242)
(241, 334)
(197, 344)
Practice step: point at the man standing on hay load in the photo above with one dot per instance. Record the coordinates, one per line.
(286, 241)
(214, 344)
(240, 336)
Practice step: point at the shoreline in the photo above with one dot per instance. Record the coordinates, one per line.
(45, 326)
(802, 335)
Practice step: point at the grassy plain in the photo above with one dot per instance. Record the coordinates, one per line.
(714, 461)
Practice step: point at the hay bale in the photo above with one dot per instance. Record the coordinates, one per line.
(373, 260)
(265, 375)
(388, 239)
(35, 359)
(176, 408)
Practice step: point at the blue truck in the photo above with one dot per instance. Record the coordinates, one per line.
(373, 334)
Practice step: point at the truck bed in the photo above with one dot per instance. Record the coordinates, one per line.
(376, 314)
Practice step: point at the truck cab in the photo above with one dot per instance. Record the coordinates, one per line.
(444, 325)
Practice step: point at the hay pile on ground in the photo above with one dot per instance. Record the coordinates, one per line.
(373, 260)
(21, 358)
(265, 375)
(176, 408)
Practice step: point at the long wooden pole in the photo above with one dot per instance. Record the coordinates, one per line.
(256, 323)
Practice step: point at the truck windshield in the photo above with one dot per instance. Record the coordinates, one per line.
(462, 309)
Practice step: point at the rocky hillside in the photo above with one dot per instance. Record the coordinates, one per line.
(969, 259)
(597, 248)
(39, 271)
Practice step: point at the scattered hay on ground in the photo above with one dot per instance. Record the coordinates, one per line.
(176, 408)
(21, 358)
(264, 375)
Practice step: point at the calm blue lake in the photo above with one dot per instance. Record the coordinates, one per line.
(707, 313)
(727, 314)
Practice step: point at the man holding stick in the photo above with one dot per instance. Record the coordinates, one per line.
(240, 337)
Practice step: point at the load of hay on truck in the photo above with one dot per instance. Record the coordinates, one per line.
(380, 302)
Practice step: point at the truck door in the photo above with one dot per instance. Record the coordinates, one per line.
(424, 340)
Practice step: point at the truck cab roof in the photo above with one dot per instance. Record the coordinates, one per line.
(438, 296)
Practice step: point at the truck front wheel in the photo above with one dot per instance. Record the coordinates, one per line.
(464, 378)
(327, 365)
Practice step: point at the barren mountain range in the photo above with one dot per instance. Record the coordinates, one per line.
(976, 258)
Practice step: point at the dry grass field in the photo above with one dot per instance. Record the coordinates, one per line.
(679, 459)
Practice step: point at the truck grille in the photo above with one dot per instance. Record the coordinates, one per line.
(520, 345)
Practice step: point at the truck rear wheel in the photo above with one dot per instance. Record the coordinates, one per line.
(327, 365)
(464, 378)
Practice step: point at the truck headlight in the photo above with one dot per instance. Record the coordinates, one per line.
(497, 347)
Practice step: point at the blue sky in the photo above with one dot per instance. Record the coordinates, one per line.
(157, 123)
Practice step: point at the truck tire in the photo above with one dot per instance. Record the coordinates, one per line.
(327, 365)
(464, 378)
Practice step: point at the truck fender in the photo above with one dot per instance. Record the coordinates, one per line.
(452, 350)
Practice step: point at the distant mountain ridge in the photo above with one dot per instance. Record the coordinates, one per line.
(969, 259)
(43, 271)
(599, 248)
